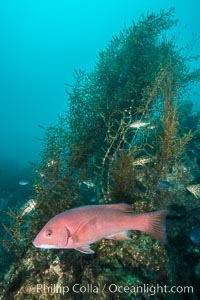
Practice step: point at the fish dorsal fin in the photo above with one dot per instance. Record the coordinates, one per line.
(120, 236)
(83, 231)
(85, 249)
(121, 206)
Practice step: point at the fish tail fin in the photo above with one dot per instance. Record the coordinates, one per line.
(156, 225)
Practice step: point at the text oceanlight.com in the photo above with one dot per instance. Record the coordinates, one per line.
(112, 289)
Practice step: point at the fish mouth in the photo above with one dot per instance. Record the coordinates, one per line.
(35, 243)
(45, 246)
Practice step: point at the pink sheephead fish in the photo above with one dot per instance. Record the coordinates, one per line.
(79, 227)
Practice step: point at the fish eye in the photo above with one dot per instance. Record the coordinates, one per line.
(49, 233)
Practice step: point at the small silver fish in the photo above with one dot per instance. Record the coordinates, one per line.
(23, 182)
(142, 161)
(51, 163)
(29, 206)
(139, 124)
(194, 189)
(195, 236)
(89, 183)
(151, 127)
(164, 184)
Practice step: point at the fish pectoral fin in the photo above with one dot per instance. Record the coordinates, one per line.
(84, 231)
(120, 236)
(85, 249)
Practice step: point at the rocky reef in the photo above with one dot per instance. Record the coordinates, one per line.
(129, 135)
